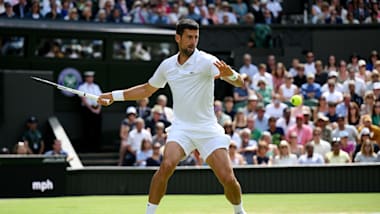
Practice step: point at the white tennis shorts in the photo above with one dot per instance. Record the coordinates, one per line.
(190, 140)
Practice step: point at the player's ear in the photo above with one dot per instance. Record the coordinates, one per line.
(177, 37)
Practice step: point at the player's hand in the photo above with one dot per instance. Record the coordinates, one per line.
(105, 99)
(224, 69)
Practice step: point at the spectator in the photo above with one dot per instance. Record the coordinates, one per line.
(294, 68)
(240, 120)
(343, 129)
(303, 132)
(287, 89)
(285, 157)
(309, 65)
(144, 152)
(229, 106)
(311, 91)
(248, 146)
(332, 94)
(235, 157)
(372, 60)
(248, 67)
(139, 13)
(366, 153)
(331, 64)
(255, 133)
(346, 144)
(310, 157)
(337, 155)
(72, 15)
(354, 61)
(220, 115)
(342, 108)
(321, 146)
(276, 108)
(91, 114)
(295, 148)
(230, 131)
(364, 137)
(87, 14)
(101, 16)
(53, 14)
(375, 130)
(22, 148)
(371, 83)
(193, 15)
(320, 74)
(8, 13)
(264, 91)
(368, 103)
(353, 115)
(240, 9)
(334, 18)
(159, 17)
(250, 108)
(167, 112)
(376, 114)
(262, 74)
(363, 73)
(350, 19)
(300, 78)
(212, 17)
(268, 17)
(34, 13)
(307, 116)
(360, 85)
(226, 11)
(322, 122)
(160, 136)
(285, 121)
(276, 132)
(174, 14)
(343, 74)
(261, 119)
(278, 76)
(261, 157)
(241, 94)
(21, 9)
(332, 77)
(361, 12)
(156, 117)
(156, 158)
(57, 149)
(32, 137)
(142, 109)
(257, 10)
(271, 64)
(275, 8)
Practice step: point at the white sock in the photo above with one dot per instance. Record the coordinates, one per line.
(151, 208)
(239, 208)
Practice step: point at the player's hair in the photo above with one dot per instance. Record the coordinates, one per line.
(186, 24)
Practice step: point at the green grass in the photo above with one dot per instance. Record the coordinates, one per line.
(197, 204)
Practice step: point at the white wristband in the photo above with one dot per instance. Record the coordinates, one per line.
(233, 77)
(118, 95)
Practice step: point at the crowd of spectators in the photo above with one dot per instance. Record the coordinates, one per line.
(338, 121)
(205, 12)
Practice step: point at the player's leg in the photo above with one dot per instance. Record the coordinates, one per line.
(220, 163)
(173, 153)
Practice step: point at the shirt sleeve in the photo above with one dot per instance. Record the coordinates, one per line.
(214, 70)
(158, 80)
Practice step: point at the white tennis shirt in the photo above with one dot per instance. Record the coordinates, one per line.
(192, 86)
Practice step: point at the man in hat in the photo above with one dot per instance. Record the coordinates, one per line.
(374, 130)
(250, 108)
(155, 118)
(33, 137)
(261, 119)
(332, 77)
(363, 73)
(323, 123)
(332, 95)
(91, 113)
(336, 155)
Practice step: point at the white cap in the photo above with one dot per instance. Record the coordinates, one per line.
(376, 85)
(333, 74)
(343, 133)
(131, 110)
(361, 62)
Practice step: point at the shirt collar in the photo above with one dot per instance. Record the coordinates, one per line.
(192, 58)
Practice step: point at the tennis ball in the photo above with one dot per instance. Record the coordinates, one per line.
(296, 100)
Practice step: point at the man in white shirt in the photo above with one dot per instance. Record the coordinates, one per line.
(91, 114)
(321, 146)
(276, 108)
(190, 75)
(262, 74)
(332, 95)
(310, 157)
(309, 65)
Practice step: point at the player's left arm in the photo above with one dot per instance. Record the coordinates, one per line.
(228, 74)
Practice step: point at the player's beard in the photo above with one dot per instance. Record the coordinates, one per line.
(188, 51)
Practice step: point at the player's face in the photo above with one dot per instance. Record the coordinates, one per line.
(188, 41)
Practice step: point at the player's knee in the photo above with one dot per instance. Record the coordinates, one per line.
(228, 180)
(167, 167)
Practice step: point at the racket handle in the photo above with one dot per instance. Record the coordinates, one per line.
(94, 97)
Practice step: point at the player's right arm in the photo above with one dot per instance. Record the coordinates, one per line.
(134, 93)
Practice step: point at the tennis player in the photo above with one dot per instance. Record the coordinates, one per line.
(190, 75)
